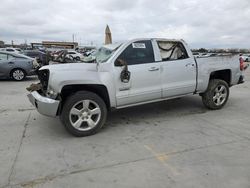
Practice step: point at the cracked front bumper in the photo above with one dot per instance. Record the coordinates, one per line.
(44, 105)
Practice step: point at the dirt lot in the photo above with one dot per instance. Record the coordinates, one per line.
(176, 143)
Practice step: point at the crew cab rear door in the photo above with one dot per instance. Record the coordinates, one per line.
(144, 83)
(178, 75)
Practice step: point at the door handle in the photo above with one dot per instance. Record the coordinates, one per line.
(153, 69)
(11, 63)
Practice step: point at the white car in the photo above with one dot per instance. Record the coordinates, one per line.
(12, 50)
(246, 58)
(76, 55)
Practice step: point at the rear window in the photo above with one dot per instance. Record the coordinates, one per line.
(172, 50)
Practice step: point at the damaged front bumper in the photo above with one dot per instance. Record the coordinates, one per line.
(44, 105)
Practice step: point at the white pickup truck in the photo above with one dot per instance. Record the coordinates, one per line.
(122, 75)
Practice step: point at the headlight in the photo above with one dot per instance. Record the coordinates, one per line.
(43, 76)
(51, 94)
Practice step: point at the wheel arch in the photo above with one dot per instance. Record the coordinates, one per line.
(225, 75)
(98, 89)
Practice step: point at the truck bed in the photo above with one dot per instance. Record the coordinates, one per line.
(208, 65)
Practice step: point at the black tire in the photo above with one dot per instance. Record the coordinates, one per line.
(78, 58)
(18, 74)
(211, 99)
(78, 102)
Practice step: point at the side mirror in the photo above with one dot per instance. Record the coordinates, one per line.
(125, 74)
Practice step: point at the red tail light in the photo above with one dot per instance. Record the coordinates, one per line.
(241, 64)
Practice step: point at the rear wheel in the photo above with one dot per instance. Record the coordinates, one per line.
(216, 95)
(18, 74)
(84, 113)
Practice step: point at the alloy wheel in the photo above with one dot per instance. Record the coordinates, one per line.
(220, 95)
(85, 115)
(18, 74)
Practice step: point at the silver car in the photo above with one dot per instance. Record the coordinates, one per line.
(16, 66)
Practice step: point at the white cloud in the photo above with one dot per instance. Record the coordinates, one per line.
(202, 23)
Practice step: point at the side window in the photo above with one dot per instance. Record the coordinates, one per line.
(10, 57)
(72, 53)
(172, 50)
(3, 57)
(31, 54)
(139, 52)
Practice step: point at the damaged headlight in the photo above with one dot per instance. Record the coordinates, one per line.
(51, 93)
(43, 76)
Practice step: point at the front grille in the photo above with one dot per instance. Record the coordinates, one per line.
(43, 76)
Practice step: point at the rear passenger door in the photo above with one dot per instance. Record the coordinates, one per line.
(178, 69)
(4, 65)
(144, 84)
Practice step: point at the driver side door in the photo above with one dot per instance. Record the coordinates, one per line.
(145, 80)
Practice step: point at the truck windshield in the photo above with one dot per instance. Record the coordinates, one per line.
(102, 54)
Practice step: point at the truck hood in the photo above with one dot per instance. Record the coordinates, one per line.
(61, 75)
(68, 67)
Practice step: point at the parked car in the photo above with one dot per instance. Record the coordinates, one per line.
(88, 53)
(13, 50)
(246, 58)
(75, 55)
(196, 54)
(41, 57)
(19, 50)
(16, 66)
(137, 72)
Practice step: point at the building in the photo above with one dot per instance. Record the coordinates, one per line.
(53, 44)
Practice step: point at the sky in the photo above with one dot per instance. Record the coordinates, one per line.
(201, 23)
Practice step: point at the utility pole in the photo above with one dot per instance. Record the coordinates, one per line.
(25, 44)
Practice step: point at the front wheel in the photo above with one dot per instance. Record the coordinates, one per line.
(84, 113)
(216, 95)
(18, 74)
